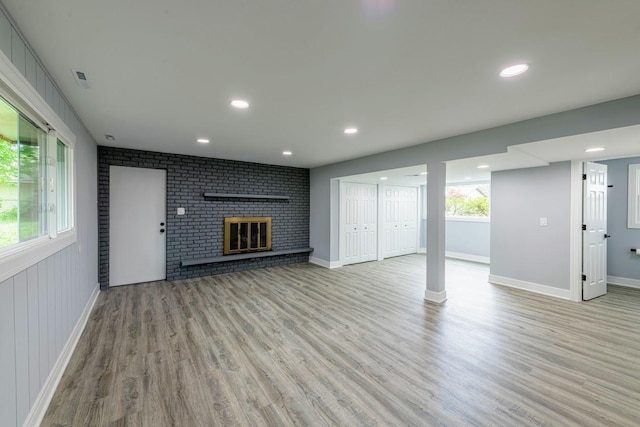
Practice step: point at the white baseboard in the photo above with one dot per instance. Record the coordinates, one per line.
(529, 286)
(422, 250)
(623, 281)
(468, 257)
(435, 297)
(323, 263)
(39, 408)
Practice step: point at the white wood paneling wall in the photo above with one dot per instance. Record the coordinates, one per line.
(38, 309)
(41, 306)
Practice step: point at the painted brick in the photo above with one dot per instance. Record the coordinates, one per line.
(199, 233)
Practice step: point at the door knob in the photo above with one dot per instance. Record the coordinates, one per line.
(162, 230)
(162, 224)
(606, 236)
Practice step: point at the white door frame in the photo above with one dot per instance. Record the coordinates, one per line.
(575, 232)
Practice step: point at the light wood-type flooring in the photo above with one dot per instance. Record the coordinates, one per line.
(304, 345)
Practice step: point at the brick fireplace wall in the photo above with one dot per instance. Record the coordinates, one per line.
(199, 233)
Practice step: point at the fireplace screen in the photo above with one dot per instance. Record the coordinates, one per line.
(247, 234)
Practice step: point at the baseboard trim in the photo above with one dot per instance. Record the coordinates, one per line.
(531, 287)
(623, 281)
(468, 257)
(422, 250)
(324, 263)
(41, 404)
(435, 297)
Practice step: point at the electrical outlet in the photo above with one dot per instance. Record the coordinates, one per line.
(543, 221)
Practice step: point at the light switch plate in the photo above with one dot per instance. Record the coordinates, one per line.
(180, 211)
(543, 221)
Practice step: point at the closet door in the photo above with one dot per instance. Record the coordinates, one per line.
(400, 221)
(391, 222)
(358, 222)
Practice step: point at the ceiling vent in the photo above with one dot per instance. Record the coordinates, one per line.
(81, 79)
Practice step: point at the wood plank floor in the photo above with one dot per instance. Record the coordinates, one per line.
(303, 345)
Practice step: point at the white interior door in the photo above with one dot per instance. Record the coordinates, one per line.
(358, 222)
(137, 218)
(369, 222)
(391, 221)
(400, 220)
(594, 235)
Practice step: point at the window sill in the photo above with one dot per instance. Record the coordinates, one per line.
(468, 219)
(15, 260)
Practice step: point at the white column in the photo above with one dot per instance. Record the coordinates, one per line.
(436, 187)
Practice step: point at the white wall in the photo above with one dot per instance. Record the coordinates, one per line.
(39, 307)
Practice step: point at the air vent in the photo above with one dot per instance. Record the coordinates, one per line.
(81, 78)
(109, 137)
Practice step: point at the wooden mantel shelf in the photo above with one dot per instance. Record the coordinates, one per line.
(244, 196)
(263, 254)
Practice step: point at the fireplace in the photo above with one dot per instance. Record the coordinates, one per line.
(247, 234)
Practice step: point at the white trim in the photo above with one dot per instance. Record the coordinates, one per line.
(575, 231)
(29, 97)
(41, 404)
(435, 297)
(26, 254)
(323, 263)
(623, 281)
(633, 194)
(529, 286)
(422, 250)
(468, 257)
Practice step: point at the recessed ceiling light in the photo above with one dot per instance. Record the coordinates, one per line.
(287, 153)
(383, 178)
(203, 140)
(423, 173)
(514, 70)
(109, 137)
(239, 103)
(351, 131)
(594, 149)
(483, 166)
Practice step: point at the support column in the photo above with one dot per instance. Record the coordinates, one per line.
(436, 187)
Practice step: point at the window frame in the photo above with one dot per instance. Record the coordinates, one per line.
(633, 197)
(468, 218)
(17, 90)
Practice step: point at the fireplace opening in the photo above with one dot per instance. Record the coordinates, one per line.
(247, 234)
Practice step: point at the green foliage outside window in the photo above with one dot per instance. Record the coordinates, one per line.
(468, 200)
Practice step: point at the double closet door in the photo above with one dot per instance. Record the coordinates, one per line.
(358, 222)
(400, 221)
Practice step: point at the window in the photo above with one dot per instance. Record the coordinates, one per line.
(22, 177)
(468, 200)
(35, 180)
(63, 186)
(37, 176)
(633, 205)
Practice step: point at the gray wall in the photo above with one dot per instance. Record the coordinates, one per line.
(325, 202)
(40, 306)
(468, 237)
(199, 233)
(520, 248)
(620, 261)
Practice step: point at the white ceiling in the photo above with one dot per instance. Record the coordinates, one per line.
(162, 72)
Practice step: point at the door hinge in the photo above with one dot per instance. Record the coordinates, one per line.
(584, 176)
(584, 277)
(584, 227)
